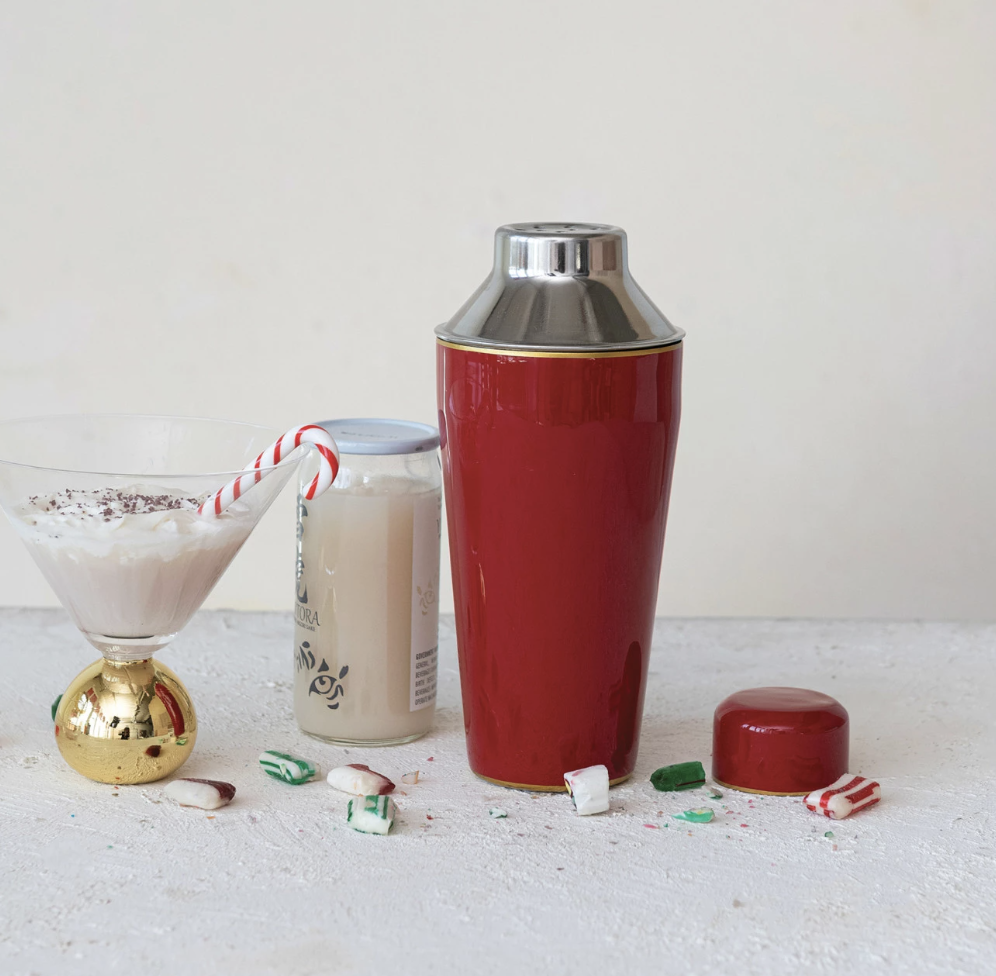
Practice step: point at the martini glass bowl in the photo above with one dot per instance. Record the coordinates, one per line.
(107, 506)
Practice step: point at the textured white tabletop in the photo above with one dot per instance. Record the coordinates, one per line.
(98, 879)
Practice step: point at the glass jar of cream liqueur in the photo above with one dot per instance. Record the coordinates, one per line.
(367, 612)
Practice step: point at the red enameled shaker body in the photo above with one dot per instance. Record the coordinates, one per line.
(557, 462)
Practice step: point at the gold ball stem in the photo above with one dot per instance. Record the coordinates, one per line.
(125, 722)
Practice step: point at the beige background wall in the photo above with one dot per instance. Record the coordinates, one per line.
(260, 210)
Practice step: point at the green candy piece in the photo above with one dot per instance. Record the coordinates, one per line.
(680, 776)
(702, 815)
(55, 706)
(288, 769)
(371, 814)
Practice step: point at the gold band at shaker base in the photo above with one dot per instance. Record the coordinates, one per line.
(525, 353)
(543, 789)
(746, 789)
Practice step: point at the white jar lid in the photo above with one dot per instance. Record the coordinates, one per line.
(370, 435)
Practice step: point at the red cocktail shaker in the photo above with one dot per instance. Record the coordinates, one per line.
(559, 396)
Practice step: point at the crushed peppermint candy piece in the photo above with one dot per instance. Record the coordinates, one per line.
(496, 813)
(699, 815)
(371, 814)
(290, 769)
(410, 778)
(679, 776)
(846, 796)
(208, 794)
(360, 780)
(589, 789)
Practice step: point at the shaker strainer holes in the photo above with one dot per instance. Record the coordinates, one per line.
(568, 228)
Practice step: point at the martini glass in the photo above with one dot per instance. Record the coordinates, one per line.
(107, 507)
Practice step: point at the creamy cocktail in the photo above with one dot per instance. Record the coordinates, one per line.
(131, 563)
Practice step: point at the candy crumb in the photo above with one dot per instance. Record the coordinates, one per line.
(496, 813)
(410, 778)
(829, 835)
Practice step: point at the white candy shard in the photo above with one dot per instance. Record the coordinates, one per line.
(496, 813)
(589, 789)
(359, 780)
(410, 778)
(371, 814)
(849, 794)
(208, 794)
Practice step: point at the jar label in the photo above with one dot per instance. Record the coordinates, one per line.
(426, 529)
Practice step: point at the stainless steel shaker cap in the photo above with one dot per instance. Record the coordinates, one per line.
(560, 288)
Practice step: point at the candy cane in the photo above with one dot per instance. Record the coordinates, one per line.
(317, 437)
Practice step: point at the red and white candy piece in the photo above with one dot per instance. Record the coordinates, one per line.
(848, 795)
(208, 794)
(359, 780)
(317, 437)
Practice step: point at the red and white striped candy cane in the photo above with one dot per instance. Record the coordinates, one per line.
(317, 437)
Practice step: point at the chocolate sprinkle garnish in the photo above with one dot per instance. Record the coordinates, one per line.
(111, 503)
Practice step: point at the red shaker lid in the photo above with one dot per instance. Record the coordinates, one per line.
(785, 741)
